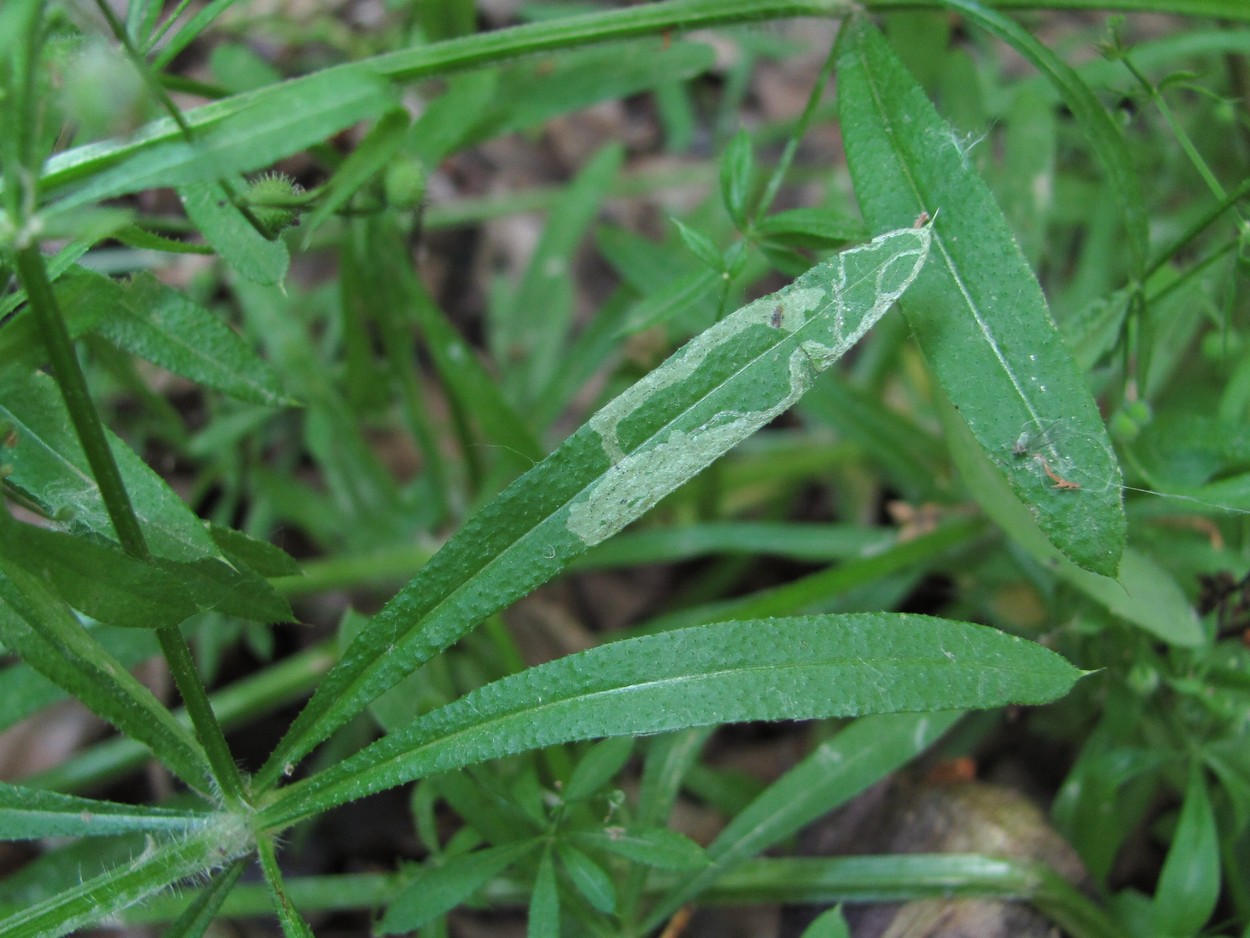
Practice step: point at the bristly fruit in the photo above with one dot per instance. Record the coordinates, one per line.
(274, 202)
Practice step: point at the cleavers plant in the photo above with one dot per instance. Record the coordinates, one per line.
(168, 304)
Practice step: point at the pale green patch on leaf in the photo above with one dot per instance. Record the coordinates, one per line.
(716, 391)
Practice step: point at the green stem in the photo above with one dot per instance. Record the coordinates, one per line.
(1198, 227)
(200, 710)
(796, 134)
(825, 880)
(456, 55)
(82, 412)
(90, 430)
(1183, 138)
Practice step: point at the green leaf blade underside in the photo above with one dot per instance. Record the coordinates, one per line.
(807, 667)
(28, 813)
(100, 579)
(714, 392)
(48, 466)
(40, 628)
(167, 328)
(977, 310)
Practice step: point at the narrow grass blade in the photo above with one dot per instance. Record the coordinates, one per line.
(765, 669)
(468, 381)
(715, 392)
(532, 328)
(248, 138)
(439, 889)
(977, 310)
(368, 159)
(28, 814)
(1103, 133)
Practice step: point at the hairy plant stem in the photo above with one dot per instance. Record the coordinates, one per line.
(90, 432)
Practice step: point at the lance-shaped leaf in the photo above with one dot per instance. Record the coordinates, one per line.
(28, 814)
(714, 392)
(40, 628)
(48, 466)
(100, 579)
(165, 326)
(250, 135)
(977, 310)
(807, 667)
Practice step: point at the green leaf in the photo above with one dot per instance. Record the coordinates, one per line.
(106, 583)
(246, 138)
(597, 768)
(1142, 593)
(716, 391)
(473, 388)
(49, 467)
(701, 246)
(232, 236)
(289, 918)
(202, 910)
(977, 311)
(439, 889)
(810, 228)
(544, 911)
(532, 327)
(535, 89)
(766, 669)
(24, 691)
(263, 558)
(77, 294)
(737, 178)
(836, 771)
(829, 924)
(141, 238)
(155, 870)
(810, 543)
(589, 877)
(671, 300)
(28, 814)
(652, 846)
(162, 325)
(1189, 884)
(37, 626)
